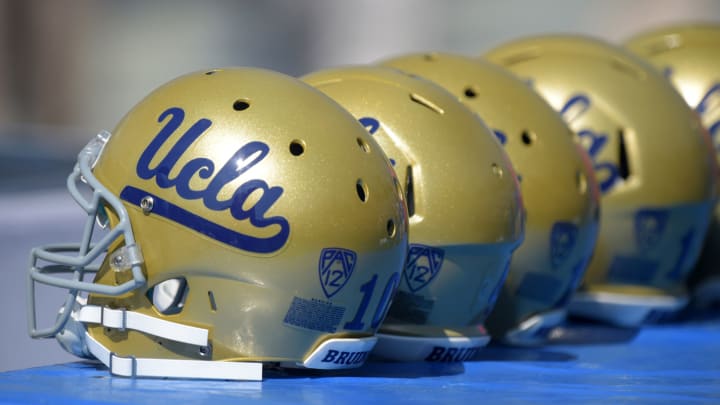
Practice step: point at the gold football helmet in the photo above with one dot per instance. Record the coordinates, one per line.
(559, 190)
(690, 56)
(656, 174)
(466, 214)
(250, 219)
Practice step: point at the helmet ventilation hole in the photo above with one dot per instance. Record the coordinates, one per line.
(426, 103)
(430, 57)
(521, 57)
(362, 190)
(297, 147)
(363, 145)
(623, 162)
(497, 170)
(390, 228)
(212, 72)
(528, 138)
(241, 105)
(211, 299)
(410, 191)
(627, 68)
(470, 92)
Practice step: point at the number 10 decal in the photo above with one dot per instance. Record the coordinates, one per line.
(382, 307)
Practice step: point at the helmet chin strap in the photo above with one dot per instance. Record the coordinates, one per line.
(75, 339)
(173, 368)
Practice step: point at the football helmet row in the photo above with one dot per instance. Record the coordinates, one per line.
(411, 209)
(652, 159)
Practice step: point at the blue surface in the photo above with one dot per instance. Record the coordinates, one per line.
(677, 363)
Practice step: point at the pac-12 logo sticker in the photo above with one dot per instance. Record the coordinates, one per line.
(649, 227)
(335, 268)
(423, 265)
(562, 242)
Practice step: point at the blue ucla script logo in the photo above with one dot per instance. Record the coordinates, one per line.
(335, 268)
(607, 172)
(423, 265)
(649, 227)
(248, 156)
(710, 101)
(707, 104)
(372, 125)
(500, 135)
(562, 242)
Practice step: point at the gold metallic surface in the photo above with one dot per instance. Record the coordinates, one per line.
(466, 198)
(242, 297)
(655, 215)
(689, 55)
(557, 183)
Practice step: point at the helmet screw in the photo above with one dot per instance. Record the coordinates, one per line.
(147, 204)
(118, 260)
(204, 351)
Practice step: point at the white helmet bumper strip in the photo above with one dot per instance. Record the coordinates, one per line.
(622, 309)
(445, 349)
(535, 330)
(200, 369)
(122, 319)
(336, 354)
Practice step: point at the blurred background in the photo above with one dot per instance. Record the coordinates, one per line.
(70, 69)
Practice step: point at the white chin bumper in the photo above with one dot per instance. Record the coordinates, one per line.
(443, 349)
(624, 309)
(535, 330)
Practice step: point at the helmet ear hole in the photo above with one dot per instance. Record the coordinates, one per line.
(168, 296)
